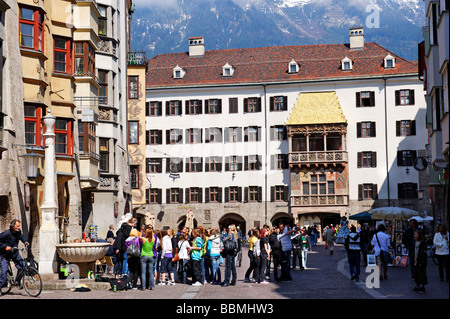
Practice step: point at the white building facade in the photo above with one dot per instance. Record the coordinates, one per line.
(220, 138)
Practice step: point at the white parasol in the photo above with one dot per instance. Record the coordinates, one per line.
(421, 219)
(392, 213)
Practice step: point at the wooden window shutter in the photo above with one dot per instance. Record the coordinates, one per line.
(374, 159)
(180, 195)
(227, 163)
(358, 129)
(239, 197)
(227, 194)
(147, 137)
(206, 106)
(167, 108)
(245, 163)
(186, 107)
(413, 127)
(233, 105)
(200, 195)
(372, 98)
(398, 128)
(167, 136)
(259, 194)
(167, 165)
(245, 194)
(374, 191)
(411, 97)
(285, 104)
(373, 131)
(359, 160)
(159, 196)
(239, 162)
(219, 197)
(272, 193)
(286, 193)
(400, 191)
(226, 135)
(207, 195)
(360, 192)
(168, 195)
(206, 164)
(219, 102)
(188, 165)
(187, 195)
(272, 103)
(397, 97)
(358, 99)
(258, 104)
(245, 105)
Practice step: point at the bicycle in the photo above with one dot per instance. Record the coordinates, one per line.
(28, 277)
(431, 253)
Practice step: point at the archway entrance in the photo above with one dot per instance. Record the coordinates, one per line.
(235, 219)
(282, 218)
(330, 219)
(181, 222)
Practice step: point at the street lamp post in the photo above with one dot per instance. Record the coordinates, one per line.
(48, 232)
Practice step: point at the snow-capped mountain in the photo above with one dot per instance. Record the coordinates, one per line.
(165, 26)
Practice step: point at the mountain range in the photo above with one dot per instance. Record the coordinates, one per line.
(165, 26)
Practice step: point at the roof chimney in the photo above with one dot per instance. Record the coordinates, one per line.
(357, 38)
(196, 46)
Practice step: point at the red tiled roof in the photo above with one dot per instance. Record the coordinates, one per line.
(270, 64)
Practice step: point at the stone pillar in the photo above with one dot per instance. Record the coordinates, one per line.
(48, 233)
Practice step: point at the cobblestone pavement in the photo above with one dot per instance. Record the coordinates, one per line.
(326, 277)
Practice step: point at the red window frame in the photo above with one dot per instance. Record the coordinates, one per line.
(67, 51)
(68, 133)
(38, 28)
(37, 120)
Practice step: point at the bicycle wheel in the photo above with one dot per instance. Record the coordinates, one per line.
(9, 283)
(32, 282)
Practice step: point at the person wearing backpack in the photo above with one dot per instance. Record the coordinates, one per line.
(119, 245)
(252, 240)
(133, 250)
(353, 247)
(230, 244)
(279, 257)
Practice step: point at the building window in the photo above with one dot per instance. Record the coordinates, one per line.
(213, 135)
(367, 191)
(346, 64)
(406, 158)
(103, 81)
(233, 163)
(104, 154)
(133, 87)
(194, 107)
(153, 108)
(316, 143)
(154, 165)
(252, 104)
(406, 128)
(133, 132)
(33, 125)
(252, 134)
(278, 103)
(174, 136)
(407, 190)
(213, 164)
(154, 137)
(154, 196)
(213, 194)
(233, 194)
(233, 134)
(318, 185)
(252, 163)
(367, 159)
(63, 137)
(84, 59)
(194, 195)
(213, 106)
(174, 165)
(194, 135)
(86, 137)
(279, 161)
(253, 194)
(365, 129)
(174, 196)
(31, 28)
(233, 105)
(194, 164)
(278, 133)
(173, 108)
(279, 193)
(365, 99)
(62, 55)
(404, 97)
(134, 176)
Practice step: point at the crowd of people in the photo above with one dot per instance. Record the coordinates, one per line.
(165, 257)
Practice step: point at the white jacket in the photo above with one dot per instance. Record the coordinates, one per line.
(216, 245)
(167, 245)
(441, 244)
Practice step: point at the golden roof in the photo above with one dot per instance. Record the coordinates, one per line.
(316, 108)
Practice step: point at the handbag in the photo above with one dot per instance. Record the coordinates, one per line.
(384, 255)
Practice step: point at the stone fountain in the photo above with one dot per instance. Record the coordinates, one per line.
(83, 255)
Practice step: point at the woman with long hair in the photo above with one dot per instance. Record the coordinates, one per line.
(252, 240)
(148, 259)
(196, 256)
(419, 261)
(166, 259)
(230, 258)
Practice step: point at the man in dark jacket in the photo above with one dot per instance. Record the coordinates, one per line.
(279, 257)
(9, 240)
(119, 245)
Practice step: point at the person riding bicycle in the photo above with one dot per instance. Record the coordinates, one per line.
(9, 239)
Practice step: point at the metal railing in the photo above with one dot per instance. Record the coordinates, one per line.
(136, 58)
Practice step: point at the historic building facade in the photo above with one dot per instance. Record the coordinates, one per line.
(301, 133)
